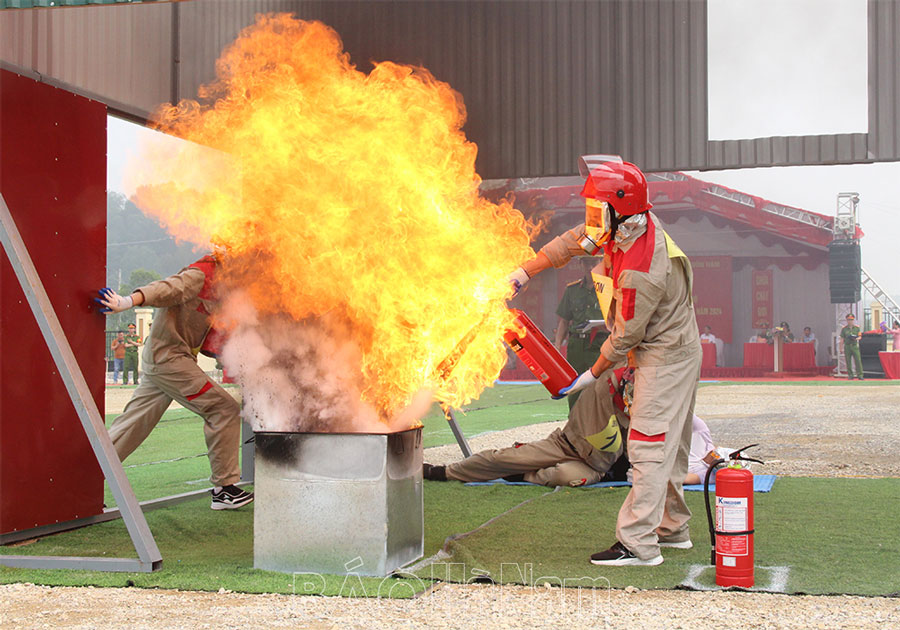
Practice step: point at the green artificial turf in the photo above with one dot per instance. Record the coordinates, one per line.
(205, 550)
(816, 536)
(500, 407)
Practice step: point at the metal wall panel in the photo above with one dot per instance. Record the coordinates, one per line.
(788, 151)
(543, 81)
(884, 79)
(119, 54)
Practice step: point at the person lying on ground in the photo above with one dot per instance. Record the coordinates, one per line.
(586, 450)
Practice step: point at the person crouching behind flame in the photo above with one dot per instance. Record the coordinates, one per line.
(588, 448)
(185, 301)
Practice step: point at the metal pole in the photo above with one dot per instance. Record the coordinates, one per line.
(94, 427)
(457, 432)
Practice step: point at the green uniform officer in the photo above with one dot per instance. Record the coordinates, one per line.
(579, 306)
(132, 343)
(850, 338)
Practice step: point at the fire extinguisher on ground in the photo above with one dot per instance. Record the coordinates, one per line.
(731, 532)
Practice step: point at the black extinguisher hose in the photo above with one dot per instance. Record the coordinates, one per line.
(709, 518)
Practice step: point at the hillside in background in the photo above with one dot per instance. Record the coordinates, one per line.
(136, 242)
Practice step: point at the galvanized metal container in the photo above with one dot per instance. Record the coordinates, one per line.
(338, 502)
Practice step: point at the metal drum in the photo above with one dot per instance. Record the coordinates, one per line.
(338, 502)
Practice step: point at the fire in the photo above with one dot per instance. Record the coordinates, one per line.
(347, 199)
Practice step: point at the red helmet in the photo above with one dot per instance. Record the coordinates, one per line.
(620, 184)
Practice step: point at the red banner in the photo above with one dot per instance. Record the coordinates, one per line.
(762, 299)
(712, 294)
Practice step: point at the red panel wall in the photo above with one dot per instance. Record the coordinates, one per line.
(53, 178)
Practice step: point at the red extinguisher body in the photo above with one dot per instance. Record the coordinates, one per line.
(734, 527)
(539, 355)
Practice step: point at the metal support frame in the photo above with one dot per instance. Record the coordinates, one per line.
(879, 294)
(846, 216)
(457, 432)
(149, 558)
(109, 514)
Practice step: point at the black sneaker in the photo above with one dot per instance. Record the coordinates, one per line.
(434, 473)
(619, 556)
(230, 498)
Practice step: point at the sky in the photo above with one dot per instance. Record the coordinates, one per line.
(776, 67)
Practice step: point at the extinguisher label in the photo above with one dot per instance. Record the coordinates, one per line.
(731, 545)
(731, 516)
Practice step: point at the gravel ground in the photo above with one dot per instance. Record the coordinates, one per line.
(809, 430)
(802, 431)
(449, 606)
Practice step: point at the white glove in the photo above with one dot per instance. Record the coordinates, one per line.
(518, 278)
(113, 302)
(583, 381)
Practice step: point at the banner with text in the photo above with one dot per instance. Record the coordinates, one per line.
(763, 298)
(712, 294)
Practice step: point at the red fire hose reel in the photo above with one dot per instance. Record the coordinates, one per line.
(731, 532)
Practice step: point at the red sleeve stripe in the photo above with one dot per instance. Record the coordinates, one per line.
(203, 389)
(643, 437)
(629, 296)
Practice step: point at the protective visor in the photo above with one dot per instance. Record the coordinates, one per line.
(608, 164)
(597, 221)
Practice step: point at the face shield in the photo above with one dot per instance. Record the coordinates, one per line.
(597, 221)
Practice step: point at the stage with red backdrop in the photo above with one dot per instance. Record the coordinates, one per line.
(712, 294)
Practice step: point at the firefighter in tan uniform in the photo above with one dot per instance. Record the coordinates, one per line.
(579, 454)
(644, 286)
(180, 327)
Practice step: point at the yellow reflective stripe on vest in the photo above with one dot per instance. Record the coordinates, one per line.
(603, 285)
(609, 440)
(672, 247)
(675, 252)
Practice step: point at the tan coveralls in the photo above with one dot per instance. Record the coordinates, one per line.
(171, 373)
(565, 457)
(654, 317)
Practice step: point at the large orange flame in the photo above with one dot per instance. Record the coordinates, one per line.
(350, 196)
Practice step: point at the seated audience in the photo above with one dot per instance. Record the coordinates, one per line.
(762, 336)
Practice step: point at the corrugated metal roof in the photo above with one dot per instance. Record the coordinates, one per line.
(543, 81)
(29, 4)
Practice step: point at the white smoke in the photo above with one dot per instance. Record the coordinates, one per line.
(301, 376)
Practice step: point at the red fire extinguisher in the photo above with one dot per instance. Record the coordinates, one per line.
(731, 532)
(539, 355)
